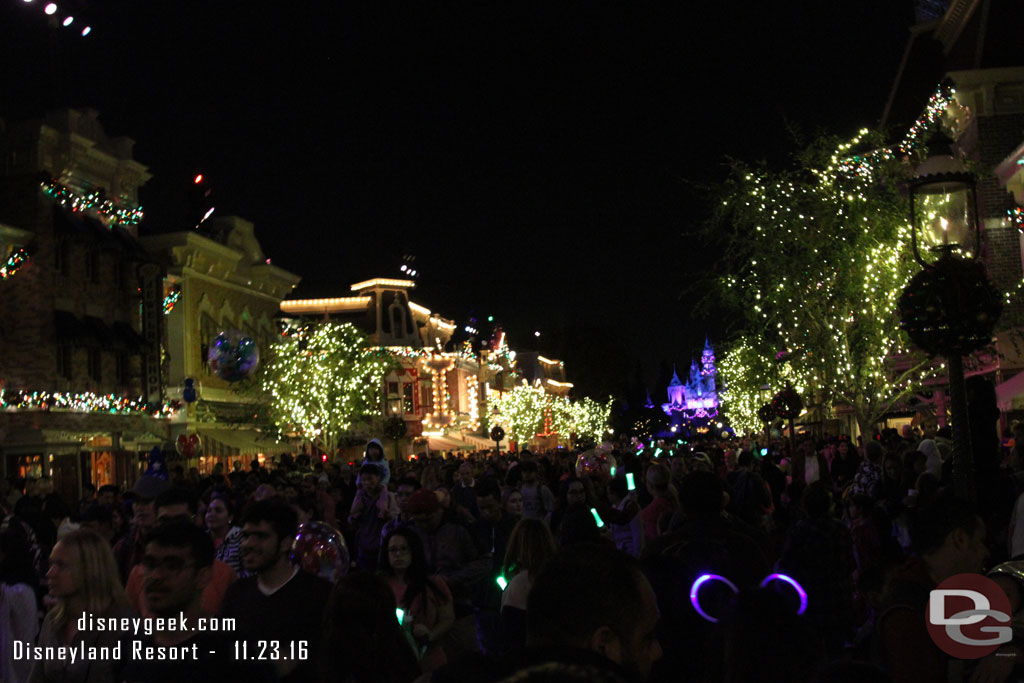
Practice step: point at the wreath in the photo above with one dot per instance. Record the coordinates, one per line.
(950, 307)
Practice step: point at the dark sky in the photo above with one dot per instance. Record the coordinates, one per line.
(539, 159)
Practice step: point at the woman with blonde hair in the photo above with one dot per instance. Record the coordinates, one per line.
(83, 578)
(530, 547)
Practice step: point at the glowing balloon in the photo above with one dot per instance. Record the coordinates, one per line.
(320, 550)
(596, 463)
(233, 356)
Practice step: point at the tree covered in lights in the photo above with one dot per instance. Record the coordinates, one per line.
(321, 379)
(816, 258)
(526, 411)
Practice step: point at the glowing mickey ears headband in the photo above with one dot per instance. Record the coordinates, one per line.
(705, 578)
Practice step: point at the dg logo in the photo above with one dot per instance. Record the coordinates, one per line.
(968, 616)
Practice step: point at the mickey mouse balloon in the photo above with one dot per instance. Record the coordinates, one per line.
(233, 356)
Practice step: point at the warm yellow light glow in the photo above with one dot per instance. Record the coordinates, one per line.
(560, 384)
(382, 282)
(542, 359)
(331, 305)
(416, 308)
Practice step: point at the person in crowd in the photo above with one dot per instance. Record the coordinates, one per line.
(373, 507)
(538, 501)
(226, 536)
(464, 493)
(624, 518)
(177, 565)
(844, 466)
(19, 615)
(750, 495)
(868, 480)
(108, 494)
(451, 553)
(179, 505)
(374, 455)
(429, 612)
(818, 553)
(405, 487)
(363, 641)
(276, 602)
(665, 501)
(127, 550)
(512, 501)
(83, 577)
(530, 548)
(100, 519)
(702, 540)
(572, 496)
(948, 538)
(490, 533)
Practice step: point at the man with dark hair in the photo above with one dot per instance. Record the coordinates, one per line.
(180, 505)
(490, 533)
(538, 501)
(948, 538)
(176, 562)
(279, 602)
(596, 599)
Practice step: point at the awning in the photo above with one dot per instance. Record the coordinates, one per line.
(127, 338)
(447, 443)
(69, 329)
(99, 334)
(244, 441)
(1009, 390)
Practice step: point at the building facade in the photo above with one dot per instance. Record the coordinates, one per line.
(82, 398)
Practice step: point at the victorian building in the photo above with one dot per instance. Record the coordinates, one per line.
(81, 398)
(217, 280)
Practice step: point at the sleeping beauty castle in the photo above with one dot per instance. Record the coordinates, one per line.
(698, 398)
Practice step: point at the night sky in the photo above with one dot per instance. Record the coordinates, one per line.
(545, 162)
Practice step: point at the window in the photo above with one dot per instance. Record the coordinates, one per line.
(407, 392)
(95, 365)
(122, 369)
(427, 395)
(62, 258)
(92, 266)
(64, 361)
(207, 333)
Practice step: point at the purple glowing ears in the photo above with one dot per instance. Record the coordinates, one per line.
(695, 590)
(705, 578)
(792, 582)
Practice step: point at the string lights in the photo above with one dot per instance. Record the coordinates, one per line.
(14, 263)
(91, 202)
(86, 402)
(526, 411)
(171, 299)
(321, 378)
(819, 263)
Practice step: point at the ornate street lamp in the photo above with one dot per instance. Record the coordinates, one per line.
(949, 308)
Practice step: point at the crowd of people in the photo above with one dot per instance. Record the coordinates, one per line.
(739, 560)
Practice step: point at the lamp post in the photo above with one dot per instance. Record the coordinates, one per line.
(949, 308)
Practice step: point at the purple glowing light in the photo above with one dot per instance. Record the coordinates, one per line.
(792, 582)
(695, 590)
(51, 8)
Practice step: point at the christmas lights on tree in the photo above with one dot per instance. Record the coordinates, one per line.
(14, 263)
(528, 411)
(817, 259)
(321, 378)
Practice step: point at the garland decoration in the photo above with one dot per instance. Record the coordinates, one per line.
(950, 307)
(14, 263)
(86, 402)
(93, 201)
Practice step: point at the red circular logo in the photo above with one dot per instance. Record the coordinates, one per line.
(968, 616)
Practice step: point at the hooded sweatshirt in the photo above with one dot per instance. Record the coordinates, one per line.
(382, 463)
